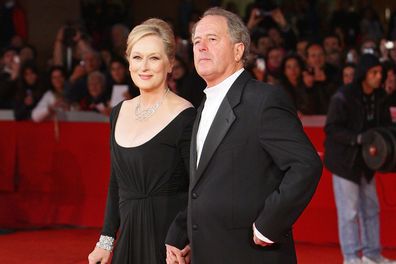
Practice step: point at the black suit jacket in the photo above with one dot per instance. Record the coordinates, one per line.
(256, 166)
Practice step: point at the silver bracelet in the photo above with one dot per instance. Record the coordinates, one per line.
(105, 242)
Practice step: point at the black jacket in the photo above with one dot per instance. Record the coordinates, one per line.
(257, 166)
(345, 121)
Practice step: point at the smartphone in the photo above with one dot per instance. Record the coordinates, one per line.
(260, 64)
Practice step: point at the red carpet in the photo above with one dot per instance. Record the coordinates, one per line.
(71, 246)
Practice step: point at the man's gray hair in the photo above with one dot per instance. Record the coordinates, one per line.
(236, 28)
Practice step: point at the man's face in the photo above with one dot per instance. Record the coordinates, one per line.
(374, 77)
(315, 56)
(215, 55)
(263, 44)
(331, 44)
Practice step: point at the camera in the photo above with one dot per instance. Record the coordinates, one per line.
(69, 33)
(265, 7)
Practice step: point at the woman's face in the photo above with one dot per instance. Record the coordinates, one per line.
(30, 76)
(292, 69)
(148, 63)
(118, 71)
(57, 80)
(347, 75)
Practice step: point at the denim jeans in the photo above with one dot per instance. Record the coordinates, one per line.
(358, 217)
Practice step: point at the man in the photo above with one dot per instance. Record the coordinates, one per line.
(252, 168)
(354, 109)
(325, 75)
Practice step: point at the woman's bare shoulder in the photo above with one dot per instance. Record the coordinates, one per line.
(178, 103)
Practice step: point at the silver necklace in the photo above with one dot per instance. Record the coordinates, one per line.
(142, 114)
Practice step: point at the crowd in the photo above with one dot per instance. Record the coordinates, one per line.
(88, 70)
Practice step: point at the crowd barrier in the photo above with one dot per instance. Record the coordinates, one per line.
(56, 173)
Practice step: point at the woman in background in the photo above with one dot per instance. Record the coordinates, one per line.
(52, 100)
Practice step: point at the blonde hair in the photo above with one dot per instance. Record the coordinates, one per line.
(153, 27)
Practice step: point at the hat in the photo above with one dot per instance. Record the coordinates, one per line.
(366, 62)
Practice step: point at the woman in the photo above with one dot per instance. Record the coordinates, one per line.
(119, 77)
(295, 82)
(149, 153)
(53, 99)
(29, 91)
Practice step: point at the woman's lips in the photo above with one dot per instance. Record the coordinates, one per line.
(145, 76)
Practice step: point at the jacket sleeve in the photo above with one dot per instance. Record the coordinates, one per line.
(336, 123)
(281, 135)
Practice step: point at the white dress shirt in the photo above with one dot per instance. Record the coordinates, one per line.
(214, 97)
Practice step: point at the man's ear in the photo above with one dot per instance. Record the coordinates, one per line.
(239, 48)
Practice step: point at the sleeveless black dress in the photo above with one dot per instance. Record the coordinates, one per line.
(148, 187)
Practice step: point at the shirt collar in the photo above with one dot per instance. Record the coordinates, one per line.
(220, 90)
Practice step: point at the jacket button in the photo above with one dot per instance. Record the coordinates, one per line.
(195, 227)
(194, 195)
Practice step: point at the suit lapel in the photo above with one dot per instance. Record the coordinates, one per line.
(222, 122)
(193, 145)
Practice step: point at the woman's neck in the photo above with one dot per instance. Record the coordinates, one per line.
(152, 96)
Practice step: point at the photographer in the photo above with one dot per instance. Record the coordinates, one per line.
(70, 43)
(266, 15)
(353, 110)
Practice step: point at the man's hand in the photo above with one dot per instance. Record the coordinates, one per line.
(259, 242)
(177, 256)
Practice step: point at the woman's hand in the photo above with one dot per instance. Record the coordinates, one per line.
(99, 255)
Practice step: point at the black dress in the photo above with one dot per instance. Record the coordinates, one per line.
(148, 187)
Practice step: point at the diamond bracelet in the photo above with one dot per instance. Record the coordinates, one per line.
(105, 242)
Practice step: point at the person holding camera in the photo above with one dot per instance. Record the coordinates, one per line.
(353, 110)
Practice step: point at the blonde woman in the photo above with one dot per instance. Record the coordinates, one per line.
(150, 141)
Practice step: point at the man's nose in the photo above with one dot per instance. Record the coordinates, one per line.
(202, 46)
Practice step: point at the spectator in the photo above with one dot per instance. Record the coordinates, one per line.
(293, 82)
(9, 71)
(53, 100)
(119, 35)
(29, 91)
(370, 25)
(179, 73)
(119, 75)
(27, 53)
(348, 73)
(273, 62)
(78, 79)
(301, 48)
(12, 22)
(325, 75)
(354, 110)
(389, 82)
(96, 100)
(333, 50)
